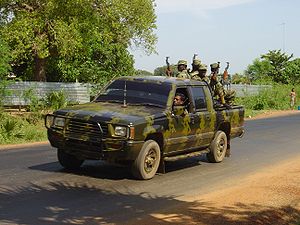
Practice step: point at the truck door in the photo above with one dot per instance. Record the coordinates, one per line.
(179, 135)
(203, 125)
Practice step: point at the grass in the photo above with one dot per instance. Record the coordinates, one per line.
(23, 127)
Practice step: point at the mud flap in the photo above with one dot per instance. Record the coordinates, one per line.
(162, 166)
(227, 154)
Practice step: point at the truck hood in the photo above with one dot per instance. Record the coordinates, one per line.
(111, 112)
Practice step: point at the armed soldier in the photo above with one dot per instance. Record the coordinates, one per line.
(215, 85)
(199, 71)
(226, 97)
(225, 80)
(182, 69)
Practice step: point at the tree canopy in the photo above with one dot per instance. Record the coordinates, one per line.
(85, 40)
(4, 59)
(274, 66)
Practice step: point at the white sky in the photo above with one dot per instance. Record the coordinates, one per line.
(237, 31)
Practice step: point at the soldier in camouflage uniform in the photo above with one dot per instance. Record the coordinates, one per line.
(216, 87)
(182, 69)
(199, 71)
(226, 97)
(195, 69)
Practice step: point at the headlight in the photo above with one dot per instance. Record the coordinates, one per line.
(59, 122)
(49, 120)
(121, 131)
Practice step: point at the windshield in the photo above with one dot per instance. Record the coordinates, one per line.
(136, 93)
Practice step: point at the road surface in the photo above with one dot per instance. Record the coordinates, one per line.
(34, 189)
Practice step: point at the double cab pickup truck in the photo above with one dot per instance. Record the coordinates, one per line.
(134, 122)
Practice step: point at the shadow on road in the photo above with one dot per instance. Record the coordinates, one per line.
(103, 170)
(94, 169)
(71, 203)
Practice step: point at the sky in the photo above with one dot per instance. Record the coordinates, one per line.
(237, 31)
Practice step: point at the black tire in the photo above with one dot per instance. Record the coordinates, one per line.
(218, 148)
(68, 161)
(146, 164)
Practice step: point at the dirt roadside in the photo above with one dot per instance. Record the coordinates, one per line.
(269, 196)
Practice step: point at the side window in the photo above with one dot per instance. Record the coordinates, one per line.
(199, 98)
(185, 93)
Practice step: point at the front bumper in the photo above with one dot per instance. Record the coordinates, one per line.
(109, 149)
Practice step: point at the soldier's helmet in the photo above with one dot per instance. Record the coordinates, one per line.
(196, 62)
(203, 67)
(182, 62)
(214, 66)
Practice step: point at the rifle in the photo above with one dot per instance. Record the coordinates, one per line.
(225, 75)
(195, 56)
(168, 71)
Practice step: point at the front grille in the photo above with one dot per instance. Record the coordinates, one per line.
(85, 130)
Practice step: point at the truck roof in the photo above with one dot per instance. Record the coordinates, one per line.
(163, 80)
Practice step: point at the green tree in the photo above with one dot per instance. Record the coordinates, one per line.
(292, 71)
(161, 71)
(278, 62)
(258, 71)
(87, 40)
(143, 73)
(4, 59)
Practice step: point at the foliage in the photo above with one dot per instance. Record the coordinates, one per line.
(240, 79)
(10, 128)
(3, 90)
(258, 72)
(292, 71)
(33, 101)
(4, 59)
(21, 128)
(143, 73)
(161, 71)
(83, 40)
(278, 62)
(56, 100)
(276, 98)
(273, 66)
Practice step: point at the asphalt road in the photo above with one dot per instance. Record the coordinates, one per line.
(34, 189)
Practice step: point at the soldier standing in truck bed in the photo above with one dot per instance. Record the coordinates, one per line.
(226, 97)
(199, 71)
(215, 85)
(182, 69)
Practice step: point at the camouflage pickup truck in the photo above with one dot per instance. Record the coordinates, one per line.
(134, 122)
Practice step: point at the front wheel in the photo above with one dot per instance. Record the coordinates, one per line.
(218, 148)
(68, 161)
(146, 164)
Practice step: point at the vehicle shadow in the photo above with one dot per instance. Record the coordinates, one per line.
(94, 169)
(103, 170)
(57, 203)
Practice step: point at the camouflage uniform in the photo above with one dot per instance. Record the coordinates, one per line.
(182, 73)
(199, 71)
(215, 85)
(226, 97)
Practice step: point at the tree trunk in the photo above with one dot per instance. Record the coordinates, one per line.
(40, 69)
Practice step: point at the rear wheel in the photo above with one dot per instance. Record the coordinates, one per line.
(146, 164)
(217, 148)
(68, 161)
